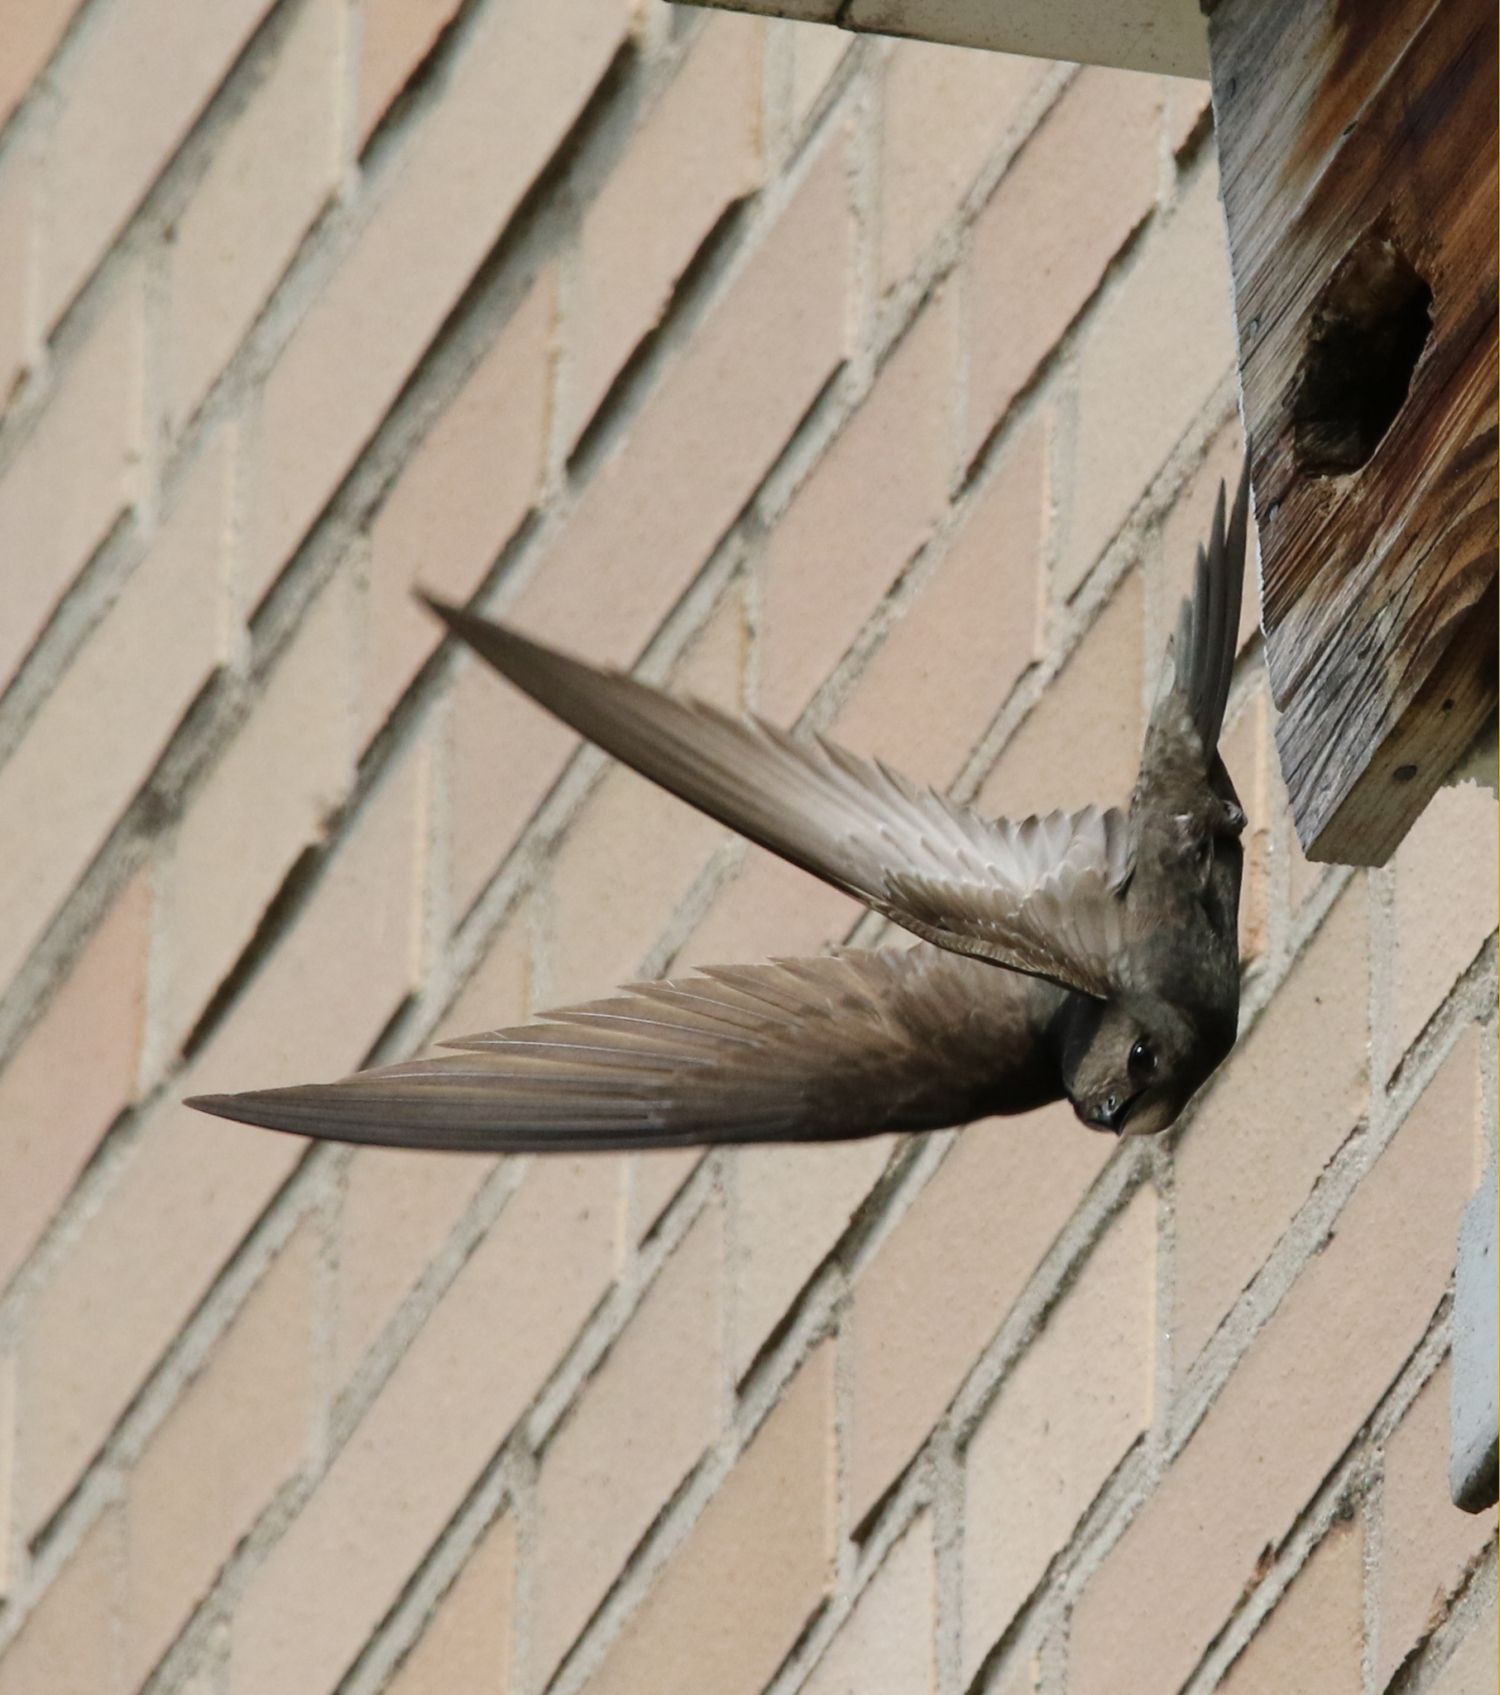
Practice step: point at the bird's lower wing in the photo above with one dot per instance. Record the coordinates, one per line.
(796, 1050)
(992, 889)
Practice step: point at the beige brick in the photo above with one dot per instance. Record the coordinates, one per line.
(193, 1185)
(694, 156)
(657, 507)
(638, 1429)
(934, 686)
(605, 923)
(18, 242)
(237, 1431)
(866, 509)
(73, 1073)
(489, 724)
(143, 72)
(399, 1206)
(441, 1415)
(944, 1279)
(349, 960)
(1019, 1677)
(459, 499)
(1065, 1417)
(1470, 1669)
(504, 753)
(713, 664)
(1303, 875)
(75, 475)
(1444, 904)
(33, 29)
(398, 1209)
(1153, 355)
(513, 95)
(817, 51)
(267, 799)
(270, 176)
(654, 1179)
(886, 1645)
(1273, 1118)
(655, 510)
(1426, 1543)
(1308, 1382)
(945, 110)
(768, 908)
(1314, 1639)
(395, 36)
(1048, 762)
(70, 1645)
(138, 1268)
(625, 821)
(499, 992)
(115, 709)
(9, 1562)
(1247, 750)
(767, 1534)
(1030, 270)
(466, 1645)
(711, 668)
(791, 1205)
(1186, 102)
(1187, 526)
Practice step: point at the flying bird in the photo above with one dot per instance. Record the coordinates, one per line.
(1089, 955)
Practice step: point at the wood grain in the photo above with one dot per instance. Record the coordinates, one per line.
(1341, 123)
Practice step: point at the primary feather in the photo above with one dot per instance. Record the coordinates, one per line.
(824, 1049)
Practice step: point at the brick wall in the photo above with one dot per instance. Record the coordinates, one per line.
(880, 386)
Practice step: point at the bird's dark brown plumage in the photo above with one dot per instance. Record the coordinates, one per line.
(1091, 955)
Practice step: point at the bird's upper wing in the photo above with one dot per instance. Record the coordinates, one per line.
(1209, 623)
(796, 1050)
(1036, 895)
(1183, 735)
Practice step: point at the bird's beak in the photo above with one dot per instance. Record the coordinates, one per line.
(1111, 1117)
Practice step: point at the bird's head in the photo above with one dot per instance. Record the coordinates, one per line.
(1131, 1066)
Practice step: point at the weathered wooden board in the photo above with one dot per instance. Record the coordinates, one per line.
(1357, 152)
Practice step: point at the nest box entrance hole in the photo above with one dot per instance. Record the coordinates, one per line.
(1368, 328)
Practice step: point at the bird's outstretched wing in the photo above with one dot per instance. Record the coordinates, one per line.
(825, 1049)
(1035, 894)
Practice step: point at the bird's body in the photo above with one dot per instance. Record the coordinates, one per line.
(1091, 955)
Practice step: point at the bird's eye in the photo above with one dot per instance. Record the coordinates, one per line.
(1142, 1059)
